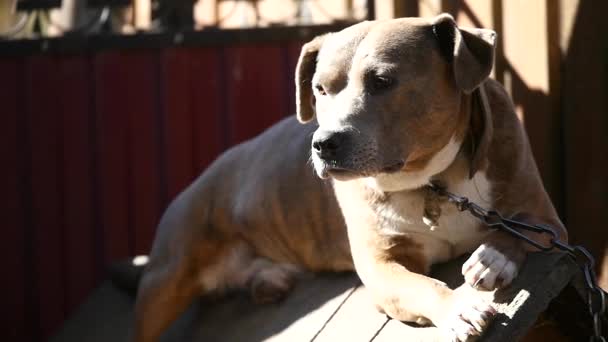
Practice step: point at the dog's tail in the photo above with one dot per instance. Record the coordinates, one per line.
(127, 273)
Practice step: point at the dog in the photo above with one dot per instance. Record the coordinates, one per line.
(397, 104)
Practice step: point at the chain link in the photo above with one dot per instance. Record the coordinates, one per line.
(596, 297)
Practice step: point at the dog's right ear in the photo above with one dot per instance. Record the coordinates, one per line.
(471, 53)
(305, 69)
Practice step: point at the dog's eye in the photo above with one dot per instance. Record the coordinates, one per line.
(320, 89)
(379, 83)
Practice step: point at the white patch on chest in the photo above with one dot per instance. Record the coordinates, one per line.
(457, 232)
(391, 182)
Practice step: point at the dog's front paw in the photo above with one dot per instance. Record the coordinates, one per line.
(490, 267)
(466, 317)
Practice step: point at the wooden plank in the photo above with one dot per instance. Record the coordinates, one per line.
(193, 126)
(356, 320)
(177, 118)
(475, 13)
(207, 93)
(44, 121)
(145, 148)
(298, 318)
(111, 99)
(78, 154)
(395, 331)
(585, 125)
(129, 149)
(396, 9)
(330, 307)
(12, 215)
(255, 89)
(542, 278)
(429, 8)
(527, 44)
(105, 316)
(314, 321)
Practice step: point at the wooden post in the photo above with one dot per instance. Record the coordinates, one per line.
(142, 14)
(7, 15)
(396, 8)
(585, 123)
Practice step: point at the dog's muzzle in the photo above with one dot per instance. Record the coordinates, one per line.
(331, 153)
(329, 146)
(339, 155)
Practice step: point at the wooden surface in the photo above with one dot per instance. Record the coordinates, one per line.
(326, 307)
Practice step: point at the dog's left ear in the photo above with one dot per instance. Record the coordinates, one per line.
(471, 51)
(305, 69)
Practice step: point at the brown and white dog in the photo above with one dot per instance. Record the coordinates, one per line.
(398, 103)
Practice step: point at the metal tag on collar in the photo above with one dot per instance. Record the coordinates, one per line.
(432, 205)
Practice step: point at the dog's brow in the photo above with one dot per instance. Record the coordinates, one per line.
(333, 81)
(380, 69)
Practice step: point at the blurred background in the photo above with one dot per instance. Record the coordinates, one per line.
(108, 108)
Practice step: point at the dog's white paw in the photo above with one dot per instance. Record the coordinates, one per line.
(467, 317)
(469, 323)
(488, 268)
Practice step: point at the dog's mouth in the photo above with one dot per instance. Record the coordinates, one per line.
(325, 171)
(394, 166)
(345, 173)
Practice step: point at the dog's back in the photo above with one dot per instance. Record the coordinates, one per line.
(256, 217)
(266, 191)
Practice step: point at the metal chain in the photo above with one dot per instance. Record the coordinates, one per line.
(596, 297)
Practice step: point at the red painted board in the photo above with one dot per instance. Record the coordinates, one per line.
(194, 134)
(113, 145)
(206, 94)
(74, 101)
(177, 120)
(255, 89)
(12, 245)
(127, 98)
(143, 105)
(44, 122)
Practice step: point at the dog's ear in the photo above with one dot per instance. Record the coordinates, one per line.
(305, 69)
(481, 130)
(471, 51)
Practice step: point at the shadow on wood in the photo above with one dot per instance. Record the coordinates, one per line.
(324, 307)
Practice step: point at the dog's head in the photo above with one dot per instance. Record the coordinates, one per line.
(389, 98)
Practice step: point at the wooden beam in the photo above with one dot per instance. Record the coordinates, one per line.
(142, 14)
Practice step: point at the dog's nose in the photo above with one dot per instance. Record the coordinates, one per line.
(327, 144)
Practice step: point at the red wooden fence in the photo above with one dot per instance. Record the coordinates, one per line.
(93, 145)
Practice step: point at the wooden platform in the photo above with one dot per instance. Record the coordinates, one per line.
(326, 307)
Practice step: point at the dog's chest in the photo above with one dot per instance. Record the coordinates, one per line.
(456, 233)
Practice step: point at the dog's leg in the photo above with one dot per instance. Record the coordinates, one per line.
(170, 284)
(413, 297)
(167, 288)
(164, 292)
(403, 292)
